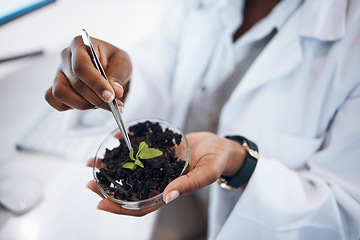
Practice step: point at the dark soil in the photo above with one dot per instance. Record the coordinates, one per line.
(158, 172)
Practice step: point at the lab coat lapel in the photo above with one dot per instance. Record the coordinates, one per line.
(306, 23)
(284, 45)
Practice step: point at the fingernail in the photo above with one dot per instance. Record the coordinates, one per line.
(118, 85)
(172, 196)
(108, 96)
(119, 90)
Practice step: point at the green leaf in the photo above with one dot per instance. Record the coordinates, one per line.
(129, 165)
(131, 154)
(144, 152)
(143, 145)
(139, 163)
(148, 153)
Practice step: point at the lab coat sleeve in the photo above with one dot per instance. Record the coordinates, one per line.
(321, 201)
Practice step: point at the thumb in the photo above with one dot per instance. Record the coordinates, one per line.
(194, 180)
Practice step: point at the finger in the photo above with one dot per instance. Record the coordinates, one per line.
(92, 186)
(201, 176)
(118, 89)
(99, 163)
(118, 135)
(109, 206)
(86, 93)
(90, 162)
(78, 85)
(83, 67)
(49, 97)
(121, 105)
(61, 96)
(118, 70)
(64, 93)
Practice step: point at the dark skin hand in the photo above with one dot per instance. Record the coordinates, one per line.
(78, 84)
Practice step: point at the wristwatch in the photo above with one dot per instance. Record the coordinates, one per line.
(246, 170)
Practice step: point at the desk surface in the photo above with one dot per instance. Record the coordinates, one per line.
(68, 209)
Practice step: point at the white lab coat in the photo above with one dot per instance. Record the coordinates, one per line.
(299, 101)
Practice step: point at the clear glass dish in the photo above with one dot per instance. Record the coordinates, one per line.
(112, 141)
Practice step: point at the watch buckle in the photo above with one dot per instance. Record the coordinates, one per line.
(252, 152)
(224, 184)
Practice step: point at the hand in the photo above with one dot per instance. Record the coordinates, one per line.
(211, 157)
(78, 84)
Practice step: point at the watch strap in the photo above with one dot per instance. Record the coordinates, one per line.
(242, 140)
(246, 170)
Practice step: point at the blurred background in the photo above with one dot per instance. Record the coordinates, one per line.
(51, 28)
(49, 188)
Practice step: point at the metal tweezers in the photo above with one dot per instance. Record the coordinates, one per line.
(113, 105)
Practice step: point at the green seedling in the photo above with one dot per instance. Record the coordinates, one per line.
(144, 152)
